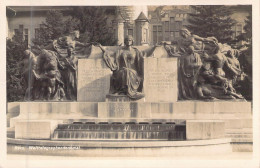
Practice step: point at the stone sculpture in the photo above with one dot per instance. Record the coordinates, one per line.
(190, 65)
(208, 73)
(127, 66)
(52, 73)
(188, 39)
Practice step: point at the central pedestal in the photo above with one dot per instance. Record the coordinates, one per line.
(121, 98)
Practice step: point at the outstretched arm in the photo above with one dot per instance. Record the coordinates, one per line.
(198, 38)
(101, 47)
(82, 44)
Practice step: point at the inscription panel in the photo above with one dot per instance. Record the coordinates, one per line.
(160, 79)
(93, 80)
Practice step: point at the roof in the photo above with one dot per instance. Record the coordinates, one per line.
(142, 17)
(119, 18)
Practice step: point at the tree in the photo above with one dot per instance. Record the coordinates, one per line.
(94, 24)
(54, 27)
(246, 58)
(212, 20)
(247, 34)
(14, 55)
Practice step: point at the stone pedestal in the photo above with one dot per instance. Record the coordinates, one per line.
(121, 98)
(205, 129)
(124, 110)
(35, 129)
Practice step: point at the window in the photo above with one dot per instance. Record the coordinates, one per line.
(172, 35)
(167, 24)
(16, 32)
(157, 34)
(176, 34)
(130, 32)
(159, 28)
(147, 36)
(172, 19)
(21, 27)
(26, 34)
(167, 36)
(19, 34)
(178, 25)
(154, 28)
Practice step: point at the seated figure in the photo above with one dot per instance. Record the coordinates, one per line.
(127, 67)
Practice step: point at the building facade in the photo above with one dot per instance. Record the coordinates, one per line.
(148, 25)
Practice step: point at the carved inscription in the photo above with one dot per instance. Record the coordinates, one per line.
(93, 79)
(122, 109)
(160, 79)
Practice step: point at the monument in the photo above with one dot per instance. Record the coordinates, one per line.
(122, 94)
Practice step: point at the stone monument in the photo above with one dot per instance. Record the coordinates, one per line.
(136, 93)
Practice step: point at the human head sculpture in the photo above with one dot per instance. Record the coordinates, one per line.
(28, 54)
(230, 54)
(129, 41)
(190, 49)
(185, 32)
(75, 34)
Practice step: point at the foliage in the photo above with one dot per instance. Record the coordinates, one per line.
(212, 20)
(91, 21)
(54, 27)
(14, 55)
(246, 36)
(246, 58)
(94, 24)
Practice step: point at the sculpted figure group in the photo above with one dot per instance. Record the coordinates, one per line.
(207, 69)
(50, 71)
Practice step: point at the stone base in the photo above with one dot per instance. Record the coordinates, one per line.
(236, 115)
(124, 110)
(121, 98)
(36, 129)
(205, 129)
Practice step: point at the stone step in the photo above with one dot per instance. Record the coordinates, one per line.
(239, 131)
(242, 140)
(239, 135)
(238, 123)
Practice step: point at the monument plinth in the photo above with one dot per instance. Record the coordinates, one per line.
(108, 110)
